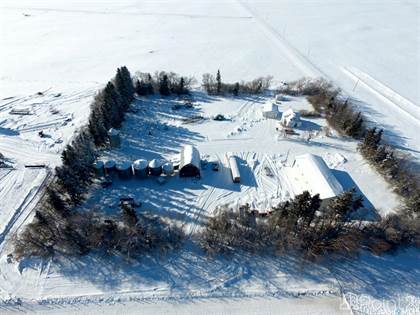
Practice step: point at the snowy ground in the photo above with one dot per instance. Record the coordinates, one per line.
(66, 50)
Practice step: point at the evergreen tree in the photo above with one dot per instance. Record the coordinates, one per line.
(218, 82)
(97, 128)
(164, 86)
(235, 90)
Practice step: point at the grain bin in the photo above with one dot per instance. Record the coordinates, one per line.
(109, 167)
(114, 138)
(155, 167)
(124, 169)
(98, 166)
(140, 168)
(168, 168)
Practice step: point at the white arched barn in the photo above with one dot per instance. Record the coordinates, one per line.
(311, 173)
(189, 162)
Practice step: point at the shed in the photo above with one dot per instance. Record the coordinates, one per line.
(109, 167)
(271, 110)
(311, 173)
(140, 168)
(189, 162)
(124, 169)
(234, 169)
(114, 138)
(168, 168)
(155, 167)
(99, 168)
(290, 118)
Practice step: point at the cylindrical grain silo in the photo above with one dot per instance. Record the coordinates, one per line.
(99, 168)
(155, 167)
(124, 169)
(114, 138)
(140, 168)
(109, 167)
(168, 168)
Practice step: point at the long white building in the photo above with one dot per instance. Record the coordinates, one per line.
(310, 172)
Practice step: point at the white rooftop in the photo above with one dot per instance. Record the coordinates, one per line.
(311, 173)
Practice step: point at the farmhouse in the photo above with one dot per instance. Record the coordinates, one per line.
(189, 162)
(290, 118)
(270, 110)
(311, 173)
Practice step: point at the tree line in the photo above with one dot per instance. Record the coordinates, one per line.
(215, 86)
(164, 83)
(307, 227)
(59, 228)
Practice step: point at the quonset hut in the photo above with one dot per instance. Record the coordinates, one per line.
(311, 173)
(189, 162)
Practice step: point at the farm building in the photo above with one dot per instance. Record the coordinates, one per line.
(234, 169)
(99, 168)
(271, 110)
(290, 118)
(155, 167)
(311, 173)
(189, 162)
(168, 168)
(124, 169)
(140, 168)
(110, 167)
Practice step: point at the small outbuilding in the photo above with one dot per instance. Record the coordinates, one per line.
(271, 110)
(290, 118)
(155, 167)
(124, 169)
(234, 168)
(109, 167)
(312, 174)
(114, 138)
(140, 168)
(189, 162)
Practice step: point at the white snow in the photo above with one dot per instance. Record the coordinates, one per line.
(69, 49)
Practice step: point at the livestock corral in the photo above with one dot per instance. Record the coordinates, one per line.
(190, 169)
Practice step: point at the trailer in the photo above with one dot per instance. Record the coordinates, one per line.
(234, 169)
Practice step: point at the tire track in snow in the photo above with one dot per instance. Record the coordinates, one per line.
(294, 55)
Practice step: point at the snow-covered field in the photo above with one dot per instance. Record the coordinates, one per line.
(68, 49)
